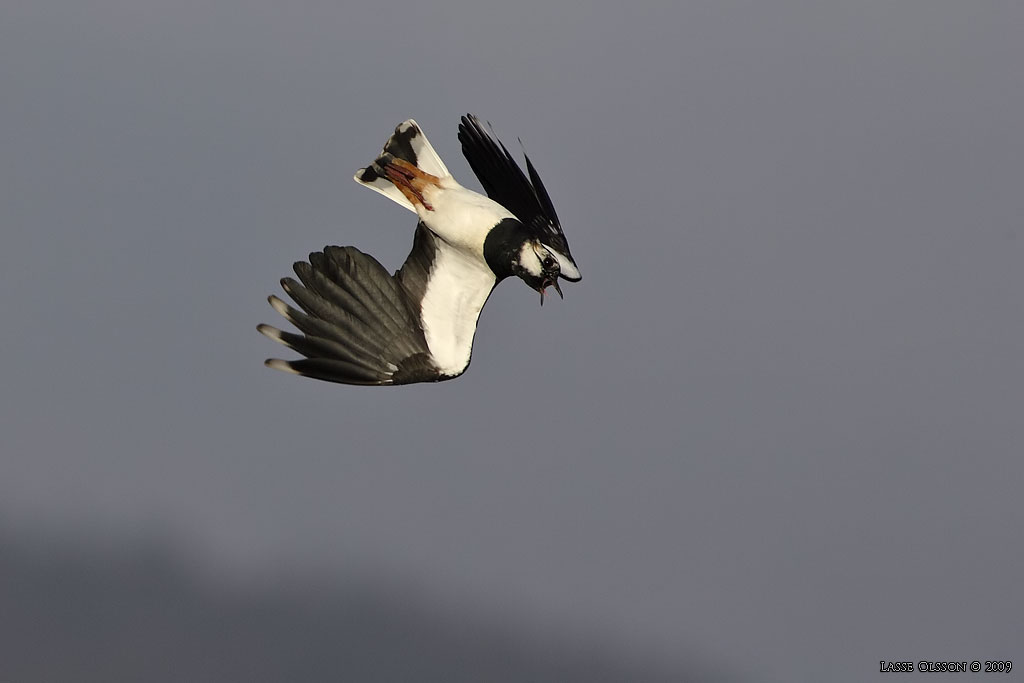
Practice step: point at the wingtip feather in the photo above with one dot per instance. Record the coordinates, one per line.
(270, 332)
(278, 305)
(278, 364)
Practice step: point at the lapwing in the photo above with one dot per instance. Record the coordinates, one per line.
(358, 324)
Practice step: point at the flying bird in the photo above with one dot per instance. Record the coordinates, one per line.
(361, 325)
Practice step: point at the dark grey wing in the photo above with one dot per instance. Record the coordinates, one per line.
(415, 272)
(504, 182)
(358, 323)
(502, 178)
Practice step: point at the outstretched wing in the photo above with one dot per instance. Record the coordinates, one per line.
(526, 197)
(361, 325)
(358, 323)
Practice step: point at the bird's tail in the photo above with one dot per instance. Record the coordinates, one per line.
(408, 144)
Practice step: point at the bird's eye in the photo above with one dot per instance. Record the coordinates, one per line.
(548, 262)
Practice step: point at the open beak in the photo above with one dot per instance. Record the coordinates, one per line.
(550, 283)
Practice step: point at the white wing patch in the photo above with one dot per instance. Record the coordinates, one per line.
(457, 289)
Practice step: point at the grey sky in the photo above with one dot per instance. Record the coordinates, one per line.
(778, 423)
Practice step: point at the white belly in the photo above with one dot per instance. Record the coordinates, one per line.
(461, 217)
(456, 291)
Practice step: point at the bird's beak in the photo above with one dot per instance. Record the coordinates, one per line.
(550, 283)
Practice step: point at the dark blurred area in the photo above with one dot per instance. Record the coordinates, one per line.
(139, 610)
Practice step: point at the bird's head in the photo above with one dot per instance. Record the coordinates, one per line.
(538, 267)
(511, 250)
